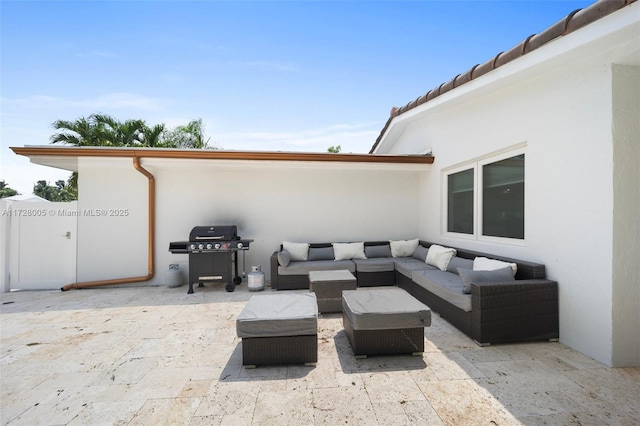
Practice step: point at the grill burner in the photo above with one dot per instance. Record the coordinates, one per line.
(213, 255)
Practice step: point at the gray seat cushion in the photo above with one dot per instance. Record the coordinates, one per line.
(384, 309)
(378, 264)
(469, 276)
(444, 284)
(281, 314)
(303, 268)
(406, 265)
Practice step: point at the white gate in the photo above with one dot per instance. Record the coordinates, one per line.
(42, 245)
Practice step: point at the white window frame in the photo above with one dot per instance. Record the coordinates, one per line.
(477, 164)
(445, 200)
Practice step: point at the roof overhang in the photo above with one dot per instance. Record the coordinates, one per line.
(610, 26)
(66, 157)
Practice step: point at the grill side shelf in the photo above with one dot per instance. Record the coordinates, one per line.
(179, 247)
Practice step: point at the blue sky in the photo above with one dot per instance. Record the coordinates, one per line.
(265, 75)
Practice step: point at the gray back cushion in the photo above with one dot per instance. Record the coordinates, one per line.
(321, 253)
(420, 253)
(284, 258)
(377, 251)
(459, 262)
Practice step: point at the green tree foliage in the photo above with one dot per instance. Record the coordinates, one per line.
(62, 191)
(334, 149)
(105, 130)
(5, 191)
(189, 136)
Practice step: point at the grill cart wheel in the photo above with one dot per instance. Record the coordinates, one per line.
(230, 287)
(237, 280)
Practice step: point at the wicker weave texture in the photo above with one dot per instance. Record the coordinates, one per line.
(507, 313)
(384, 342)
(293, 282)
(280, 350)
(376, 279)
(329, 293)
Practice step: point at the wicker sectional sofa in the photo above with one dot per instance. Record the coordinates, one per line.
(373, 271)
(524, 308)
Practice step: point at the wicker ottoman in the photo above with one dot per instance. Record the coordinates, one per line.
(328, 287)
(279, 329)
(384, 321)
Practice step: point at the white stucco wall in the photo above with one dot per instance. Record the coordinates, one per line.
(626, 212)
(568, 185)
(268, 202)
(569, 109)
(112, 220)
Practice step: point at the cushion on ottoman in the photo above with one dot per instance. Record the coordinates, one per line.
(281, 314)
(384, 309)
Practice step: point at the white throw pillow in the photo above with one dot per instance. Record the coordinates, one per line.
(403, 248)
(343, 251)
(486, 264)
(299, 251)
(439, 256)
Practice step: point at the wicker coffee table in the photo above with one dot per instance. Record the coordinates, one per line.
(328, 287)
(384, 321)
(279, 329)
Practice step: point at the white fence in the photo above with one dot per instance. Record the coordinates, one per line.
(38, 244)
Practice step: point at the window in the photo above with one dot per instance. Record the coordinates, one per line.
(503, 198)
(485, 199)
(460, 200)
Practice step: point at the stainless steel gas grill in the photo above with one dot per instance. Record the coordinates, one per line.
(213, 255)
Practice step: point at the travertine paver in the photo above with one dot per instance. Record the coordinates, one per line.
(155, 355)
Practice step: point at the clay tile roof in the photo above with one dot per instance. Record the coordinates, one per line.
(573, 21)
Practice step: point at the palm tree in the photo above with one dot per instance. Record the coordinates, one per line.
(82, 132)
(195, 128)
(5, 191)
(118, 133)
(61, 192)
(100, 130)
(41, 189)
(190, 136)
(65, 192)
(104, 130)
(153, 136)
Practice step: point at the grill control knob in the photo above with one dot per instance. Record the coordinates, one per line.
(200, 246)
(192, 246)
(209, 246)
(217, 246)
(240, 245)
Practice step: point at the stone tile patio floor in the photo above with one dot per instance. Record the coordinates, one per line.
(155, 356)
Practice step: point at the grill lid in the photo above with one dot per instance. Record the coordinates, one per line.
(212, 233)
